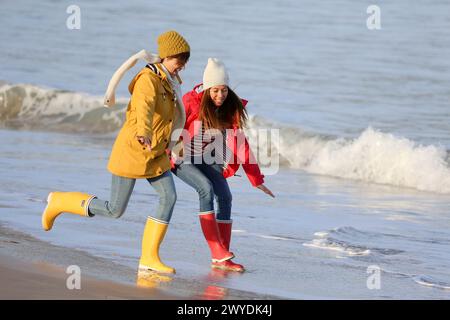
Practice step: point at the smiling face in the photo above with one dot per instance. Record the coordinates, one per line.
(218, 94)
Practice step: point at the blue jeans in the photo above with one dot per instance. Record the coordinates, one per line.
(121, 189)
(209, 182)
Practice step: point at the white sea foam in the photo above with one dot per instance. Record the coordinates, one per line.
(373, 156)
(353, 242)
(431, 282)
(27, 106)
(339, 247)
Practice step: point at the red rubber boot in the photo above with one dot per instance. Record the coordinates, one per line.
(225, 235)
(211, 232)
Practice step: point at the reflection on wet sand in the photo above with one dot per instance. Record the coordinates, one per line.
(151, 279)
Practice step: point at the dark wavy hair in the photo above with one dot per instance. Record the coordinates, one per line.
(231, 111)
(183, 57)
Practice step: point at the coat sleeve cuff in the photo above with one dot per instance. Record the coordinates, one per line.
(256, 181)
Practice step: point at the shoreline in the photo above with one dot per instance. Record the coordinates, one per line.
(33, 269)
(30, 270)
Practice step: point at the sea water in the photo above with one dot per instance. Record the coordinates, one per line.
(363, 186)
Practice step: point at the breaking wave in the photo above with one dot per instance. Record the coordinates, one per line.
(31, 107)
(373, 156)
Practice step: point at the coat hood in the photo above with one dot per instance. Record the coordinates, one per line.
(153, 70)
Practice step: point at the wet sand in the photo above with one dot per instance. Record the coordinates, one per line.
(33, 269)
(28, 270)
(24, 280)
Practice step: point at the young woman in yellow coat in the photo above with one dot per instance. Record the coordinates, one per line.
(139, 152)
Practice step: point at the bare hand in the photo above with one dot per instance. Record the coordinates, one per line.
(265, 190)
(145, 142)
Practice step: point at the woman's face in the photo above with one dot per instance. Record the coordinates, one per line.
(218, 94)
(174, 65)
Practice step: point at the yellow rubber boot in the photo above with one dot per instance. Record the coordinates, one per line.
(70, 202)
(154, 233)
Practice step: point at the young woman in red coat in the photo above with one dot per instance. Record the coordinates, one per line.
(214, 146)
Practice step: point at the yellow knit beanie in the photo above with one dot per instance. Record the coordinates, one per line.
(171, 43)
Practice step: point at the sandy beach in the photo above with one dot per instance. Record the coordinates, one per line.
(27, 280)
(27, 271)
(31, 269)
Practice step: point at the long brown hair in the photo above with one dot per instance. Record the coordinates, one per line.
(231, 111)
